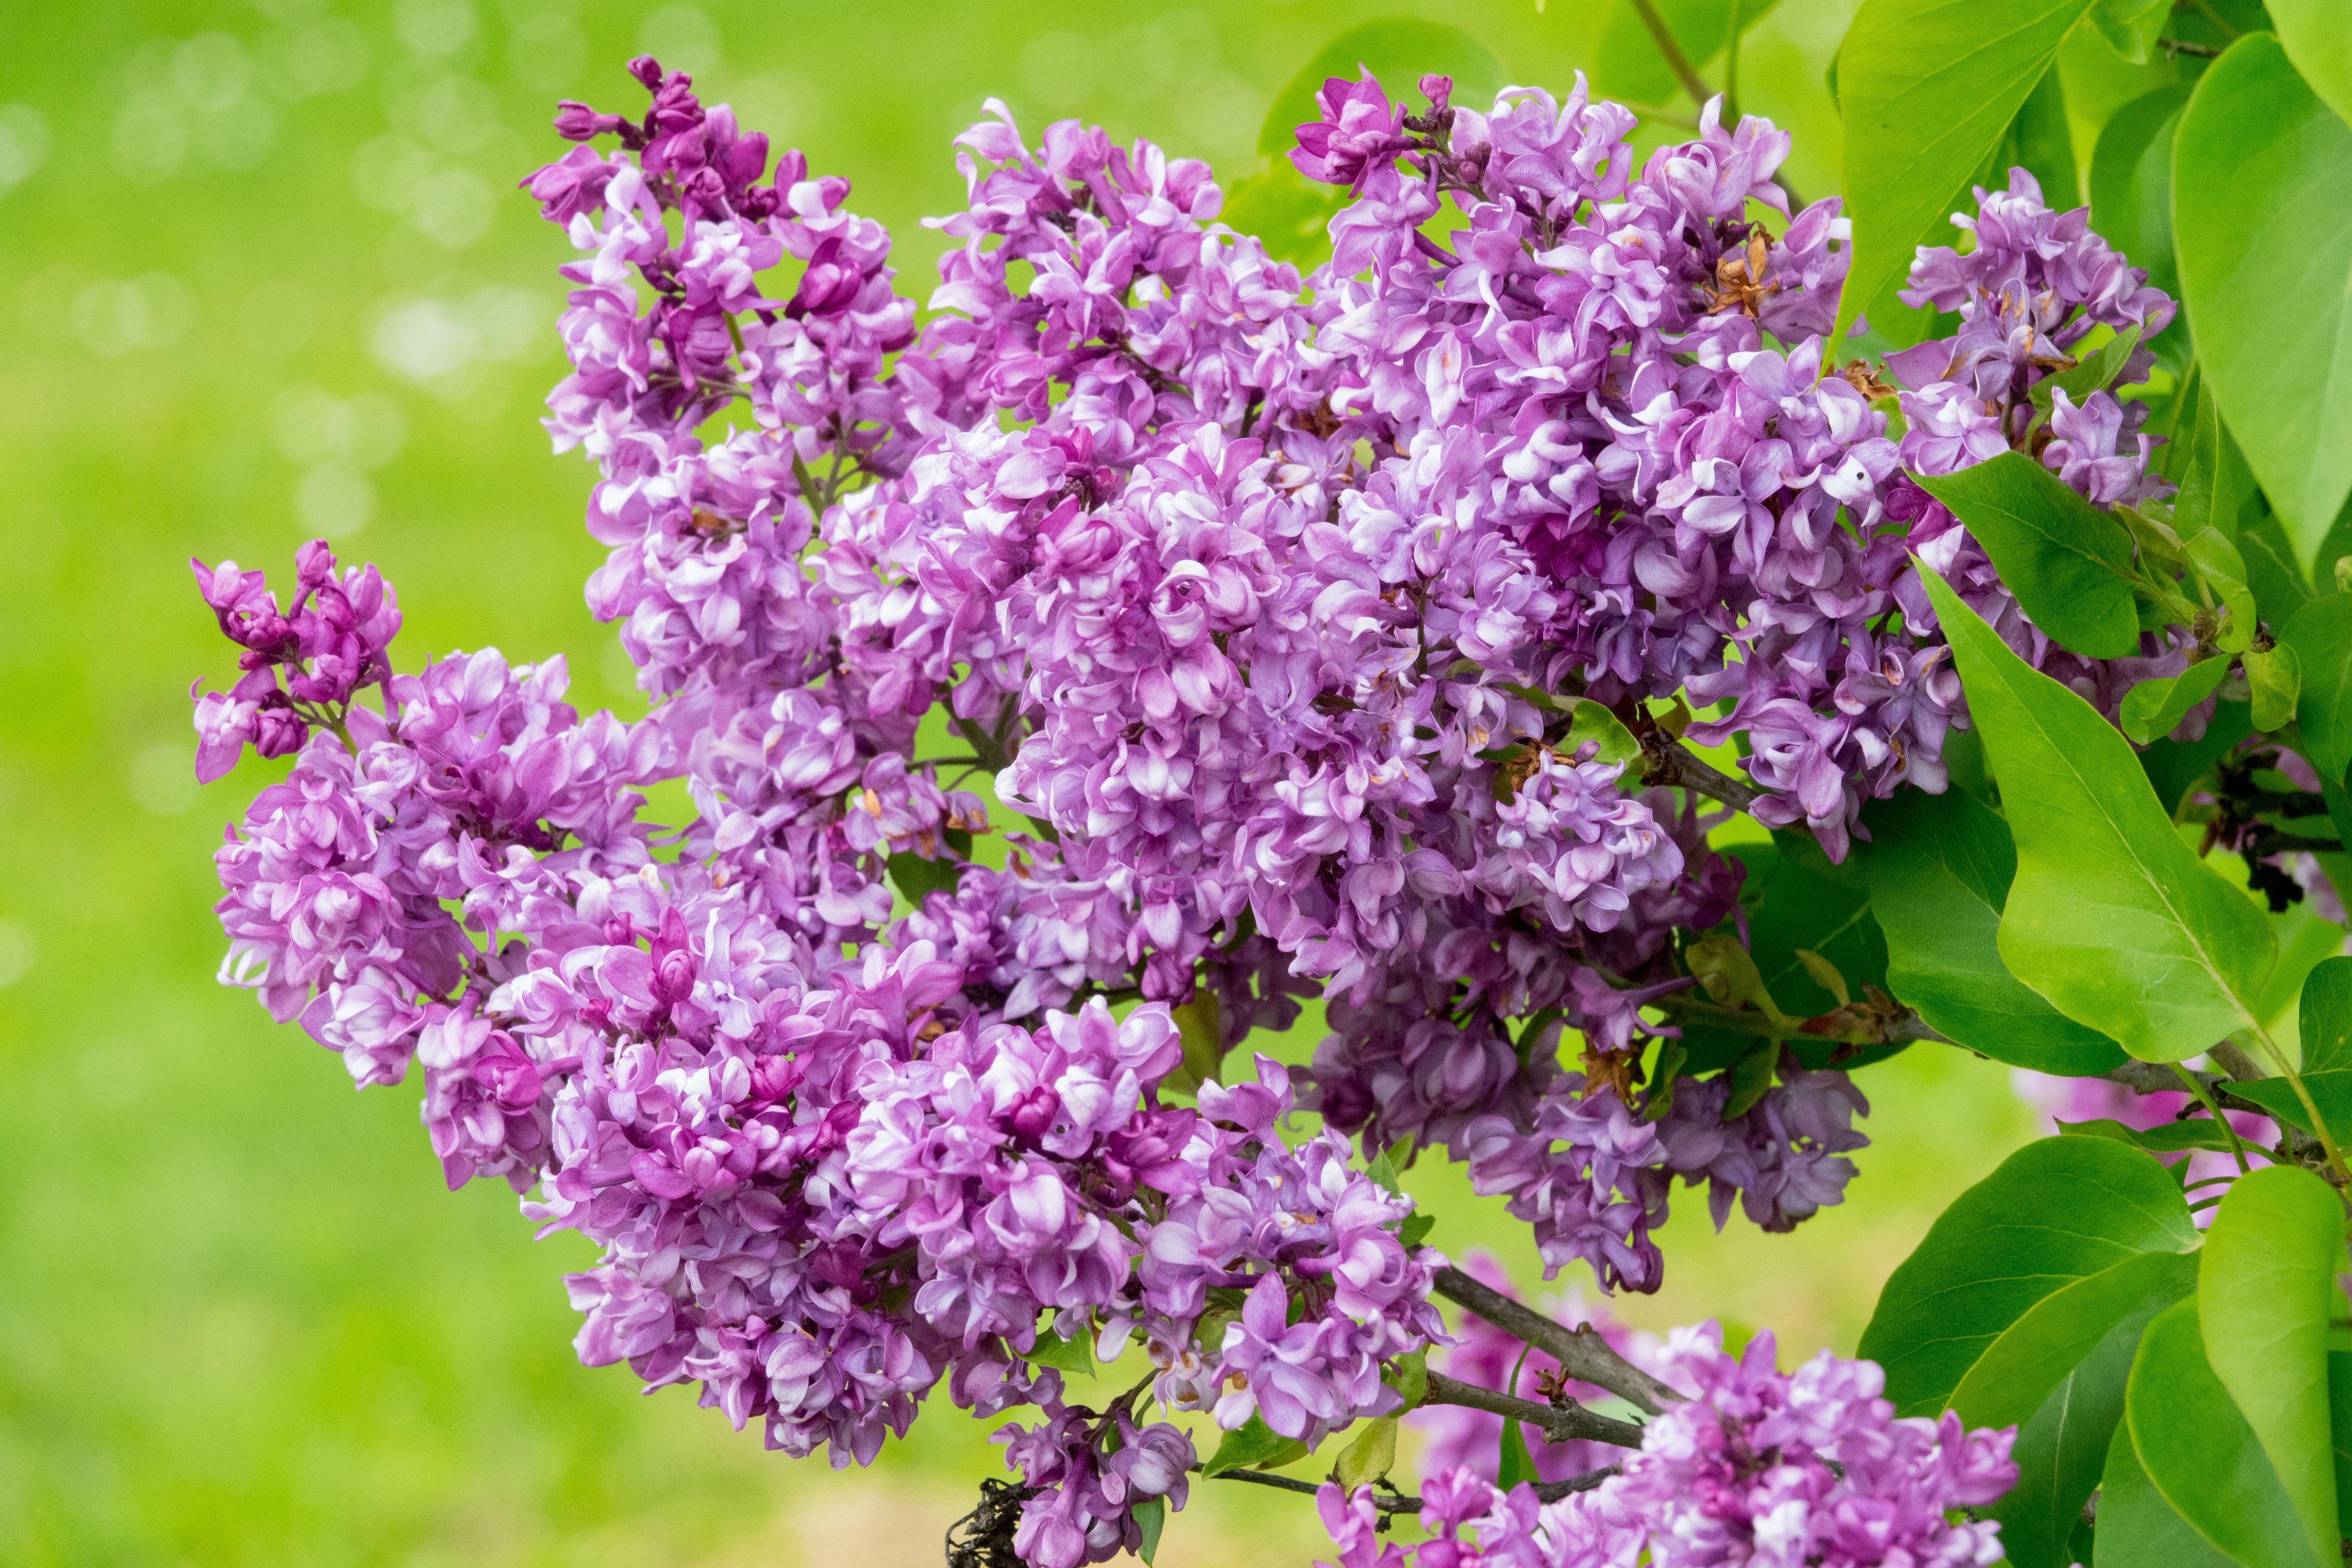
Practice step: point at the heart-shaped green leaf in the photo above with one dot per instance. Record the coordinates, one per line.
(2313, 33)
(2111, 917)
(2266, 1285)
(1928, 87)
(2262, 209)
(2058, 1211)
(2201, 1455)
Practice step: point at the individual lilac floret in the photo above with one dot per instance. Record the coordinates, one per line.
(1358, 129)
(326, 645)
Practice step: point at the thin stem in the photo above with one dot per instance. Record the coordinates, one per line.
(1558, 1424)
(2205, 1099)
(1905, 1027)
(1672, 52)
(2182, 47)
(2294, 1081)
(1399, 1502)
(1581, 1354)
(1731, 65)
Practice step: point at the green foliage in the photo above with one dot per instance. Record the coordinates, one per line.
(2201, 1455)
(2318, 42)
(2321, 636)
(2137, 1527)
(2262, 223)
(2327, 1016)
(2062, 1450)
(1938, 869)
(2110, 915)
(2068, 562)
(1928, 88)
(1253, 1445)
(2131, 182)
(2266, 1288)
(1793, 910)
(1626, 61)
(2155, 706)
(2059, 1214)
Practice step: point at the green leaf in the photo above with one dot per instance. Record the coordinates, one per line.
(2094, 372)
(2155, 708)
(2331, 1091)
(1076, 1355)
(2314, 35)
(1253, 1445)
(2172, 1138)
(1726, 972)
(2131, 183)
(1400, 51)
(2038, 141)
(2176, 767)
(2131, 28)
(1626, 62)
(2224, 571)
(1939, 867)
(2137, 1529)
(1409, 1375)
(2267, 1288)
(2061, 1448)
(2277, 580)
(1517, 1465)
(2217, 484)
(2111, 917)
(2018, 1371)
(2057, 1211)
(2321, 636)
(1151, 1518)
(1415, 1230)
(2262, 204)
(1589, 720)
(2327, 1016)
(1825, 975)
(1751, 1080)
(2340, 1434)
(2068, 562)
(919, 877)
(1200, 1024)
(1928, 88)
(1371, 1456)
(1382, 1171)
(1290, 213)
(2199, 1453)
(2274, 676)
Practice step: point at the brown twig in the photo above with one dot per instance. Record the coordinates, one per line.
(1672, 762)
(1558, 1423)
(1581, 1354)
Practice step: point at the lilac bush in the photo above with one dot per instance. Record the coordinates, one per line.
(1076, 670)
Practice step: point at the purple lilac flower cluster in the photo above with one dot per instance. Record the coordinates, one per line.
(1267, 603)
(1808, 1468)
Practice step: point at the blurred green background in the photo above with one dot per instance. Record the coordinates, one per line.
(267, 277)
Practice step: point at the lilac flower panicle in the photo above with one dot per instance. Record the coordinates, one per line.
(1130, 627)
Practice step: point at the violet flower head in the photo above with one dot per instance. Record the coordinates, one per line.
(1358, 131)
